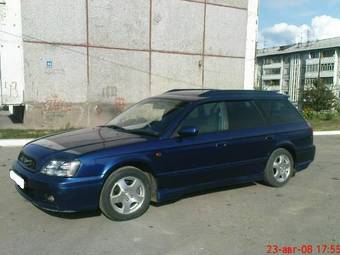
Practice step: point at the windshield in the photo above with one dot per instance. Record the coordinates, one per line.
(149, 117)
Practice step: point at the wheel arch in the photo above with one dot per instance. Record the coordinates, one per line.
(143, 166)
(290, 148)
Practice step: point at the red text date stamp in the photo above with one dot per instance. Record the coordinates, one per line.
(303, 249)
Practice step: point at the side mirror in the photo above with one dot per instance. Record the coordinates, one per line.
(188, 131)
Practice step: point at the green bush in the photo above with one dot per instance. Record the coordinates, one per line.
(326, 115)
(318, 98)
(337, 106)
(309, 114)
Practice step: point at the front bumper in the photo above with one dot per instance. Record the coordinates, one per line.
(70, 194)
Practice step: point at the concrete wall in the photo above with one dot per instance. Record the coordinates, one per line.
(11, 54)
(85, 60)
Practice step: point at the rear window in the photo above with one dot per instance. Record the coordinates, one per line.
(244, 115)
(279, 111)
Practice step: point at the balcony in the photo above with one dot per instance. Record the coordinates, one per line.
(271, 87)
(328, 60)
(311, 74)
(272, 65)
(267, 77)
(312, 61)
(327, 73)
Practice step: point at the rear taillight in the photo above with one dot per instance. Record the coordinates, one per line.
(310, 127)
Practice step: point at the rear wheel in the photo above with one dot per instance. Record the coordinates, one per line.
(126, 194)
(279, 169)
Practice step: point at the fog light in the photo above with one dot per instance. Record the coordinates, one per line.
(50, 198)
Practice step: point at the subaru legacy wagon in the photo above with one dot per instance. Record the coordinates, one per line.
(163, 147)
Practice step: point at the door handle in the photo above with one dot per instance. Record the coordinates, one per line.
(269, 138)
(223, 144)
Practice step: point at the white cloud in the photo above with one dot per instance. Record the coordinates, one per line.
(325, 27)
(321, 27)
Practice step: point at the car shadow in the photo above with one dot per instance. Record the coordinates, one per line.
(14, 119)
(74, 215)
(204, 192)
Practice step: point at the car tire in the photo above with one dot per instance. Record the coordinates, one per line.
(126, 194)
(279, 168)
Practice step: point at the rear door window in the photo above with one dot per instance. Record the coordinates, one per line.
(279, 111)
(244, 115)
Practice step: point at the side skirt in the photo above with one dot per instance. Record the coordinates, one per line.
(170, 194)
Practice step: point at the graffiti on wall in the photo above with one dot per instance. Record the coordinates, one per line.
(55, 104)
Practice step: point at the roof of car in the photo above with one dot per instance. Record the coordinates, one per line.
(200, 94)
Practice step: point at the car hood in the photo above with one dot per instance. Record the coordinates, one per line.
(86, 140)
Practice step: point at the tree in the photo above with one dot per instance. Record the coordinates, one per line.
(318, 98)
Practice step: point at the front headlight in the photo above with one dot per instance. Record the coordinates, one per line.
(61, 168)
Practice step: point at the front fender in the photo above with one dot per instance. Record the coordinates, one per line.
(110, 165)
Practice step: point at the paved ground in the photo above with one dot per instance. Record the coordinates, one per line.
(7, 123)
(238, 220)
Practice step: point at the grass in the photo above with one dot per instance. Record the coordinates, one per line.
(325, 125)
(26, 133)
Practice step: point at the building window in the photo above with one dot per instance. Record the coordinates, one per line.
(328, 81)
(272, 71)
(272, 60)
(328, 53)
(327, 67)
(286, 60)
(314, 54)
(309, 82)
(312, 68)
(272, 83)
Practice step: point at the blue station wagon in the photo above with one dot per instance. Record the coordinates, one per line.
(163, 147)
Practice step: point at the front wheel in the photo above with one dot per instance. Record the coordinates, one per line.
(280, 167)
(125, 194)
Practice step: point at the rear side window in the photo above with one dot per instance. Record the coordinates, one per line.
(279, 112)
(243, 115)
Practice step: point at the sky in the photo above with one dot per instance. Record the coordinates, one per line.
(291, 21)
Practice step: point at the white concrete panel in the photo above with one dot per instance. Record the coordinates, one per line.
(252, 27)
(172, 71)
(177, 26)
(233, 3)
(226, 31)
(11, 54)
(55, 74)
(223, 73)
(119, 23)
(54, 21)
(118, 74)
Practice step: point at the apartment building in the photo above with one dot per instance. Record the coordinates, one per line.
(78, 63)
(290, 69)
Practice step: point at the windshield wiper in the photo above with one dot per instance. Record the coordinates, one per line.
(115, 127)
(145, 132)
(133, 131)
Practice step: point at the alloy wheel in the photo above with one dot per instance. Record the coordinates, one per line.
(282, 168)
(127, 195)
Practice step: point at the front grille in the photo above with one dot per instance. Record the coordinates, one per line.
(27, 161)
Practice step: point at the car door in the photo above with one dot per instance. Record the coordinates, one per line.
(248, 141)
(188, 161)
